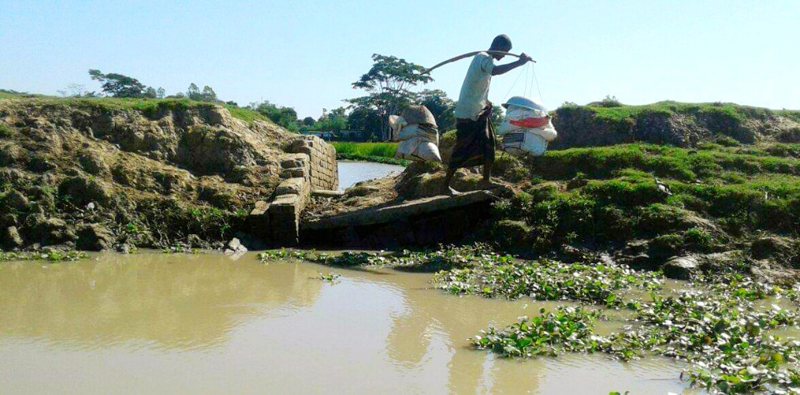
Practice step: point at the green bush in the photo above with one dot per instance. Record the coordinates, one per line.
(5, 131)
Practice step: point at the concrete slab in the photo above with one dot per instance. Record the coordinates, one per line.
(399, 211)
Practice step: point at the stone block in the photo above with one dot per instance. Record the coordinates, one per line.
(292, 186)
(260, 208)
(294, 172)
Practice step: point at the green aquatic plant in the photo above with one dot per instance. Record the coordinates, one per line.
(49, 256)
(330, 277)
(722, 328)
(349, 258)
(568, 329)
(504, 276)
(283, 255)
(180, 249)
(446, 257)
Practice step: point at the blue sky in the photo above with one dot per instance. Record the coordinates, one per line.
(306, 54)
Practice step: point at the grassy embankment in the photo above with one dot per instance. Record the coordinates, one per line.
(681, 124)
(371, 152)
(710, 198)
(149, 107)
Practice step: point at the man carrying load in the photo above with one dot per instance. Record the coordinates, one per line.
(475, 139)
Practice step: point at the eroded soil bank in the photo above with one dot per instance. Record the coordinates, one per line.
(116, 174)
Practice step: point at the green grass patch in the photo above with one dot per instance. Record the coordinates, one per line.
(5, 131)
(247, 115)
(621, 192)
(669, 108)
(371, 152)
(151, 108)
(386, 150)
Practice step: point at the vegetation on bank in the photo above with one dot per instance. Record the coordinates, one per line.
(683, 200)
(48, 256)
(679, 124)
(151, 108)
(616, 112)
(370, 152)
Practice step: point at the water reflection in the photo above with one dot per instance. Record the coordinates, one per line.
(166, 324)
(352, 172)
(180, 301)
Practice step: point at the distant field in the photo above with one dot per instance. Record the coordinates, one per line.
(373, 152)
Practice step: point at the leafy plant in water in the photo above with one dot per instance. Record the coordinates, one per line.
(330, 277)
(50, 256)
(719, 328)
(504, 276)
(283, 255)
(569, 329)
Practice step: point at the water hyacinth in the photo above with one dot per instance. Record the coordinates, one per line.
(49, 256)
(569, 329)
(330, 277)
(720, 328)
(446, 257)
(283, 255)
(503, 276)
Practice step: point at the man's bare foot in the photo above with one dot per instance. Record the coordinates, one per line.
(488, 184)
(452, 192)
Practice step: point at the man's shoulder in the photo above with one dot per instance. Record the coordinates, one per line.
(481, 55)
(484, 61)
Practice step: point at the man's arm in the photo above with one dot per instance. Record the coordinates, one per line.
(505, 68)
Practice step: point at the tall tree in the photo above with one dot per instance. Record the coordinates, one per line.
(160, 93)
(208, 94)
(283, 116)
(387, 84)
(332, 121)
(193, 92)
(150, 93)
(118, 85)
(365, 119)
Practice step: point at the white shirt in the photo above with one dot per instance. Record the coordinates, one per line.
(475, 89)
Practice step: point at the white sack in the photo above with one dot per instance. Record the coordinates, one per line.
(520, 143)
(418, 149)
(396, 123)
(516, 113)
(411, 131)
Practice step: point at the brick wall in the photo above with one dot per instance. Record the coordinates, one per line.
(310, 165)
(324, 173)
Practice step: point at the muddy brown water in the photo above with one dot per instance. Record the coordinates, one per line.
(155, 323)
(353, 172)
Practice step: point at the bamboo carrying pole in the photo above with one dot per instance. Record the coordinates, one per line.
(471, 54)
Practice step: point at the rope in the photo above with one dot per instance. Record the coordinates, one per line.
(537, 84)
(513, 85)
(527, 77)
(528, 87)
